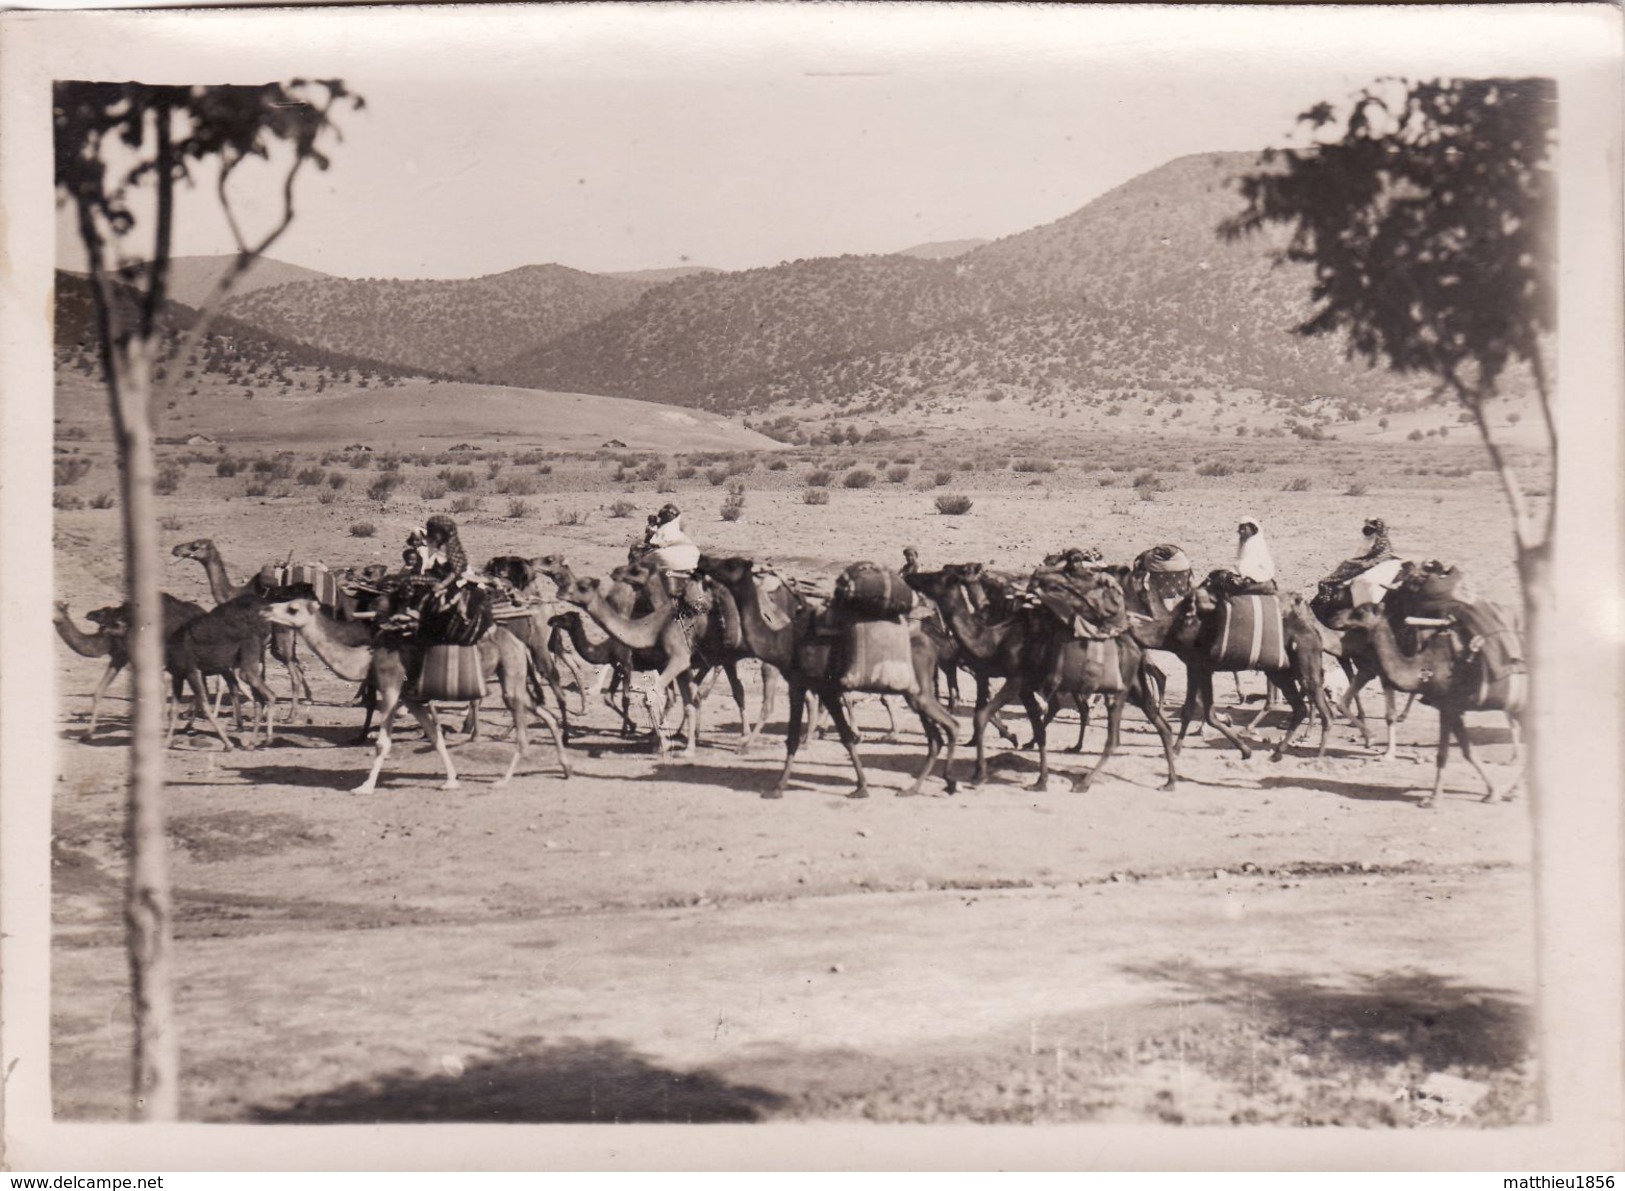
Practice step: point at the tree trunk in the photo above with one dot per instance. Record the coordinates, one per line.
(1553, 915)
(147, 910)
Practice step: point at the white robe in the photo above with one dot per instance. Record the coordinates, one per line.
(672, 549)
(1253, 559)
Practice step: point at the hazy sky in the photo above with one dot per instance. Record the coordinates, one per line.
(627, 137)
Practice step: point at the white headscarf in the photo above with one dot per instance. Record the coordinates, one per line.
(1253, 558)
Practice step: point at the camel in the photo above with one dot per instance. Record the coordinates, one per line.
(112, 643)
(660, 641)
(1154, 626)
(623, 599)
(1024, 649)
(228, 641)
(352, 651)
(1438, 673)
(283, 647)
(803, 659)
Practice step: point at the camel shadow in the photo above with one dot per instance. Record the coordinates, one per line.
(304, 776)
(1354, 791)
(533, 1081)
(1372, 1020)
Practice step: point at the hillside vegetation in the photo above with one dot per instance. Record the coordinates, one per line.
(1134, 292)
(459, 328)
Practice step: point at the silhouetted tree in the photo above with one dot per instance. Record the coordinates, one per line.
(116, 145)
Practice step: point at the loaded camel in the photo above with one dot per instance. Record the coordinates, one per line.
(283, 647)
(1439, 673)
(353, 651)
(791, 645)
(110, 641)
(1029, 648)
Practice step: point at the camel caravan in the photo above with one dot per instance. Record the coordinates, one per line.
(1075, 630)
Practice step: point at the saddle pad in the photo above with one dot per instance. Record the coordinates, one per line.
(1250, 635)
(1088, 667)
(451, 672)
(878, 656)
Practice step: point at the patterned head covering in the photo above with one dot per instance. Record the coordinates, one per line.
(442, 532)
(1378, 546)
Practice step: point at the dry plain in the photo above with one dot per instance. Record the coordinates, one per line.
(1292, 943)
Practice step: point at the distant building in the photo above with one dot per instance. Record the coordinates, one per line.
(614, 442)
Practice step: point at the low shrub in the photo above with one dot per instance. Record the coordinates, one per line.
(169, 479)
(953, 505)
(1033, 465)
(363, 529)
(458, 479)
(572, 517)
(897, 475)
(337, 480)
(819, 477)
(1296, 484)
(1214, 467)
(380, 488)
(466, 504)
(309, 477)
(517, 486)
(172, 524)
(1355, 489)
(68, 471)
(1147, 479)
(621, 508)
(687, 472)
(519, 509)
(326, 496)
(66, 500)
(433, 490)
(102, 500)
(778, 465)
(859, 478)
(263, 467)
(941, 478)
(815, 496)
(258, 488)
(733, 508)
(226, 468)
(716, 475)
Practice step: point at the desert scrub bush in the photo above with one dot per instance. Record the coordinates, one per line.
(1296, 484)
(362, 529)
(102, 500)
(528, 459)
(380, 488)
(1033, 465)
(256, 488)
(652, 469)
(820, 477)
(714, 476)
(281, 469)
(68, 471)
(815, 496)
(171, 523)
(518, 510)
(778, 465)
(337, 480)
(433, 490)
(952, 505)
(622, 508)
(687, 472)
(1356, 489)
(493, 469)
(309, 477)
(1214, 467)
(389, 463)
(517, 486)
(327, 496)
(571, 517)
(733, 508)
(169, 479)
(1105, 481)
(466, 504)
(858, 478)
(739, 467)
(941, 478)
(263, 467)
(458, 479)
(359, 462)
(66, 500)
(226, 468)
(1147, 479)
(898, 475)
(966, 465)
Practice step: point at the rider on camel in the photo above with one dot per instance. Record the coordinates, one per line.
(1377, 549)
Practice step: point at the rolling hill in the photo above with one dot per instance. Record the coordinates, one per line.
(460, 328)
(1133, 291)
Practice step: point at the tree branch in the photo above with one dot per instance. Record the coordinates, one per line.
(1521, 521)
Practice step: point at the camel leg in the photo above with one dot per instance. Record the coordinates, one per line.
(769, 696)
(1459, 726)
(1035, 714)
(1294, 693)
(1512, 723)
(1145, 697)
(837, 715)
(1083, 722)
(1440, 756)
(514, 696)
(430, 723)
(982, 688)
(108, 675)
(792, 737)
(937, 723)
(1114, 721)
(383, 744)
(1210, 717)
(556, 726)
(195, 680)
(984, 713)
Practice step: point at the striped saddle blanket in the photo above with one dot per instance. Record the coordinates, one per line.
(1247, 634)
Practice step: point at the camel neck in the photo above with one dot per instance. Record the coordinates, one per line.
(88, 645)
(350, 660)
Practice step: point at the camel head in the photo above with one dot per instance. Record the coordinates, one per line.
(1366, 617)
(198, 550)
(112, 619)
(295, 614)
(373, 572)
(634, 574)
(578, 591)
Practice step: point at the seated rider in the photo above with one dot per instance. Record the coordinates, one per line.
(674, 552)
(1254, 572)
(1376, 548)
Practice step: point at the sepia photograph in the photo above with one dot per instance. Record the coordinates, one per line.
(1049, 573)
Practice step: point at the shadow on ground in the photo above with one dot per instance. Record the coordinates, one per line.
(573, 1082)
(1377, 1020)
